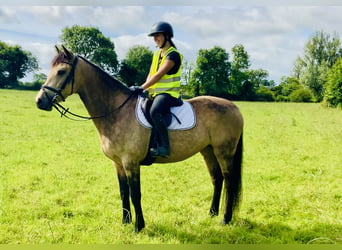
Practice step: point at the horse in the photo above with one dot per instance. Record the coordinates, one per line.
(217, 134)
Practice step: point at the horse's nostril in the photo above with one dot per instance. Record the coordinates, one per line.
(43, 104)
(39, 102)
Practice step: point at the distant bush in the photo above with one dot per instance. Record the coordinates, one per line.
(36, 85)
(264, 94)
(281, 98)
(301, 95)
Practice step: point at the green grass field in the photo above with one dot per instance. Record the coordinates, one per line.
(58, 187)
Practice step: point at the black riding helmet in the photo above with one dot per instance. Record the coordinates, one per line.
(164, 28)
(161, 27)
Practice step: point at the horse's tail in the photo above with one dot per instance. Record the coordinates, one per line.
(234, 182)
(237, 174)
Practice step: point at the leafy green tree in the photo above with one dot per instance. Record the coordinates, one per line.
(92, 44)
(298, 68)
(135, 67)
(211, 75)
(239, 67)
(288, 85)
(186, 79)
(320, 53)
(247, 92)
(15, 63)
(258, 77)
(40, 77)
(333, 87)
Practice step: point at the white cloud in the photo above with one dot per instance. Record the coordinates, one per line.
(124, 43)
(7, 16)
(45, 52)
(114, 20)
(46, 14)
(272, 35)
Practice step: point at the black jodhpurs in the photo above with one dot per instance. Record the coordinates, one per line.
(162, 104)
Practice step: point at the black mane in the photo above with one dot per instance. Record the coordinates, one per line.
(105, 76)
(110, 80)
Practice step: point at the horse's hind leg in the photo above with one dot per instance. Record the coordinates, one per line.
(216, 178)
(124, 193)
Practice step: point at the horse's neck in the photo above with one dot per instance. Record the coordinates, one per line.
(98, 96)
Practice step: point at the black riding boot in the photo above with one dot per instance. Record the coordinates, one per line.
(163, 148)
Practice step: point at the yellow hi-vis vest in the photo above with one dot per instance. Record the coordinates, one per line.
(168, 83)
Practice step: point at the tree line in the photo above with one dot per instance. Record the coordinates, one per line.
(316, 75)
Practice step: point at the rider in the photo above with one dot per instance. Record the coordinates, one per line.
(163, 82)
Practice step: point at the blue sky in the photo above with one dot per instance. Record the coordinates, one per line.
(273, 35)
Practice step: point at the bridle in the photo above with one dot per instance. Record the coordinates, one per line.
(69, 78)
(58, 93)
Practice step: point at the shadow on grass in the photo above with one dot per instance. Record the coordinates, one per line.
(244, 231)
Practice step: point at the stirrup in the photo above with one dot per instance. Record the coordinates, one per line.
(160, 151)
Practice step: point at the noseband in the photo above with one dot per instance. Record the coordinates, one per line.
(70, 78)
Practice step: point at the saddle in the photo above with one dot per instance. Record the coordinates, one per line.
(146, 107)
(179, 118)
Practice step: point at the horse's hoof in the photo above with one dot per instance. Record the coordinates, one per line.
(213, 213)
(226, 221)
(138, 229)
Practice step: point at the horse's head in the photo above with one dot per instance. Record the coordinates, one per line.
(60, 81)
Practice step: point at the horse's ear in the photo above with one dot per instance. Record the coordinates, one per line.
(57, 49)
(68, 54)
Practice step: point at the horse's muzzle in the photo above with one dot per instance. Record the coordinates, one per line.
(44, 101)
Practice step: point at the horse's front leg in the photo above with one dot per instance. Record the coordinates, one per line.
(133, 177)
(124, 193)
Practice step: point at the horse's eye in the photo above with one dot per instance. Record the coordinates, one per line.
(61, 72)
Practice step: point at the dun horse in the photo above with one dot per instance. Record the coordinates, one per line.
(217, 134)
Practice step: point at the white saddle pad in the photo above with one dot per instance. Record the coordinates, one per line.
(184, 113)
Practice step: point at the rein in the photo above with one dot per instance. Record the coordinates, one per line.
(65, 111)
